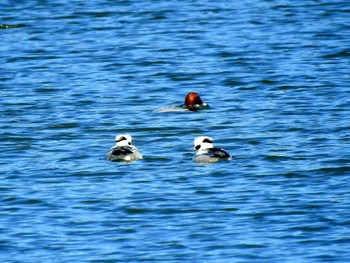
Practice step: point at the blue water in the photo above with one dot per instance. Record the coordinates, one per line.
(74, 74)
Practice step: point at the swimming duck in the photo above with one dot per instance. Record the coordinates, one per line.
(123, 150)
(207, 153)
(193, 102)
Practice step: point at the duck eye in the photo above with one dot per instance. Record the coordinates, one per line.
(129, 143)
(197, 147)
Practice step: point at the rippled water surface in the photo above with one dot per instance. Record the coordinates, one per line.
(74, 74)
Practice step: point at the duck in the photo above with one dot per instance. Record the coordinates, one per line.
(207, 153)
(123, 150)
(193, 102)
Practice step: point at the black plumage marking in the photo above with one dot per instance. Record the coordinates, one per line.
(121, 139)
(122, 150)
(218, 153)
(207, 140)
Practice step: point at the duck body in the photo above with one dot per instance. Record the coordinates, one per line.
(211, 155)
(123, 153)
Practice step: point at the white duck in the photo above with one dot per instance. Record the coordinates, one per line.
(207, 153)
(123, 150)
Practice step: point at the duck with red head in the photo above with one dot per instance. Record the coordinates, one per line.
(193, 102)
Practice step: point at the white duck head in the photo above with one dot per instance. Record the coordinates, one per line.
(123, 140)
(203, 142)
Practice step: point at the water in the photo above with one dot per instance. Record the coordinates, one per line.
(76, 73)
